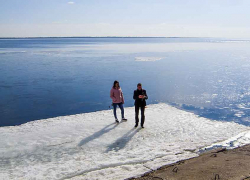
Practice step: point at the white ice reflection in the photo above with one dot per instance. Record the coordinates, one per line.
(148, 58)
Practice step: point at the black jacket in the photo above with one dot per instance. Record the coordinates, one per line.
(138, 101)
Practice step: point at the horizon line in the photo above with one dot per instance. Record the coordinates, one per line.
(101, 37)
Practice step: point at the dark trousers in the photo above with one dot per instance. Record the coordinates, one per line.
(137, 113)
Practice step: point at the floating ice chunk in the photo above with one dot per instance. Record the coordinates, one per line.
(148, 58)
(246, 119)
(239, 114)
(242, 106)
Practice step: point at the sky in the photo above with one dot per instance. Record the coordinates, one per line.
(154, 18)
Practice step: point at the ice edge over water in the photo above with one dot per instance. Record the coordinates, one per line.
(148, 58)
(92, 146)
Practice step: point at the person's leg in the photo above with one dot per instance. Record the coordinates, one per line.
(142, 115)
(122, 110)
(136, 115)
(114, 108)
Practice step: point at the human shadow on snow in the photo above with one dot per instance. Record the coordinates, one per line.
(122, 141)
(97, 134)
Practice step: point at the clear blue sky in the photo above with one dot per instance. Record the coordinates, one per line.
(185, 18)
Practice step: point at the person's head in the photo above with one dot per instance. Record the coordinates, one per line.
(116, 84)
(139, 87)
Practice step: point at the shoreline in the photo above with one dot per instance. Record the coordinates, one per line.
(220, 163)
(110, 108)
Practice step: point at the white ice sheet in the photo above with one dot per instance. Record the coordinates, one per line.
(92, 146)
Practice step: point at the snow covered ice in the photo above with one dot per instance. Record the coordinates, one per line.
(91, 146)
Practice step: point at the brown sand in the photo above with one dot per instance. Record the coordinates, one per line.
(219, 164)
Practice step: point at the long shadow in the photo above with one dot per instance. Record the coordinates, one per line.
(97, 134)
(122, 141)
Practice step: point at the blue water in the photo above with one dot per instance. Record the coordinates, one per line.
(49, 77)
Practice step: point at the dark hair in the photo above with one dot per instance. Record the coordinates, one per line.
(115, 83)
(139, 84)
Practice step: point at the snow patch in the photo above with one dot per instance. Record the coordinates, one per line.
(233, 142)
(93, 146)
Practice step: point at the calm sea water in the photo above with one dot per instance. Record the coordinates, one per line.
(48, 77)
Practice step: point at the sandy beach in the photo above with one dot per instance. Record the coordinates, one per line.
(216, 164)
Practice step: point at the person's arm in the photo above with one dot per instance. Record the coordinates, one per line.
(112, 95)
(145, 95)
(135, 97)
(122, 98)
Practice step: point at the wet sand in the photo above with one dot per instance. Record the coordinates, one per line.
(218, 164)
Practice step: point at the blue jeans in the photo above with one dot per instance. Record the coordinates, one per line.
(121, 107)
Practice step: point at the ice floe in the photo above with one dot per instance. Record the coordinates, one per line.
(91, 146)
(148, 58)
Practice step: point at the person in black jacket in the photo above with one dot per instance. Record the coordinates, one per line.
(140, 96)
